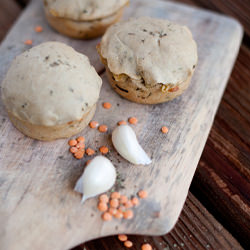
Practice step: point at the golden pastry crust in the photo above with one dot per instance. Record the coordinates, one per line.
(49, 133)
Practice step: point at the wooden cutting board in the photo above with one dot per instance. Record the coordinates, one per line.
(40, 210)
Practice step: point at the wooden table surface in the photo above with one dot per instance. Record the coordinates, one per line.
(216, 214)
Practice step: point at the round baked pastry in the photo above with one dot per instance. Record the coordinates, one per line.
(50, 91)
(83, 19)
(148, 60)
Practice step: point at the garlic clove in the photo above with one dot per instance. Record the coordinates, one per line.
(98, 177)
(125, 142)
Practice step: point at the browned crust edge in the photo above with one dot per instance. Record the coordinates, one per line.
(48, 133)
(82, 29)
(136, 91)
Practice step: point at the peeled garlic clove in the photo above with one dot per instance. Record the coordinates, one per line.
(125, 142)
(98, 177)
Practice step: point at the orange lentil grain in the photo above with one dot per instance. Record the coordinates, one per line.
(103, 128)
(80, 145)
(128, 243)
(73, 150)
(164, 130)
(102, 206)
(112, 210)
(107, 216)
(107, 105)
(174, 89)
(118, 215)
(121, 209)
(128, 214)
(132, 120)
(79, 154)
(143, 194)
(93, 124)
(121, 123)
(80, 139)
(104, 150)
(135, 201)
(123, 199)
(28, 42)
(72, 142)
(104, 198)
(122, 237)
(114, 203)
(82, 150)
(128, 204)
(90, 151)
(146, 246)
(115, 195)
(38, 29)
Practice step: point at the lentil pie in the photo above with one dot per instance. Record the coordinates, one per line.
(83, 19)
(148, 60)
(50, 91)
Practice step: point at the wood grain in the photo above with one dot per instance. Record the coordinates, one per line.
(31, 181)
(9, 12)
(222, 178)
(196, 229)
(239, 9)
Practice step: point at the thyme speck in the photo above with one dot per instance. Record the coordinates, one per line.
(54, 64)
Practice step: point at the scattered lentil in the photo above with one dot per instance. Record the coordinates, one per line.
(123, 199)
(102, 206)
(146, 246)
(118, 215)
(115, 195)
(128, 214)
(128, 243)
(80, 145)
(103, 128)
(73, 150)
(114, 203)
(106, 216)
(72, 142)
(128, 204)
(93, 124)
(164, 130)
(122, 123)
(28, 42)
(79, 154)
(143, 194)
(104, 150)
(122, 237)
(80, 139)
(133, 120)
(112, 210)
(135, 201)
(107, 105)
(38, 29)
(104, 198)
(90, 151)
